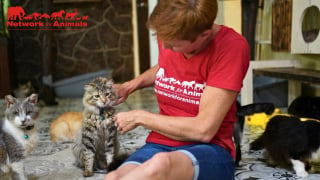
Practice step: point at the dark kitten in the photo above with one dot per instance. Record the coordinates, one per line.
(46, 93)
(24, 90)
(250, 109)
(243, 111)
(47, 96)
(305, 106)
(290, 141)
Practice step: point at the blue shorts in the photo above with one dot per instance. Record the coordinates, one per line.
(210, 161)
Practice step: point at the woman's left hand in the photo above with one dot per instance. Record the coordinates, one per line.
(126, 121)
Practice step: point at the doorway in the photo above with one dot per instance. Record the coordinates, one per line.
(143, 35)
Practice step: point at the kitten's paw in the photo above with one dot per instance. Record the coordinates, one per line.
(101, 165)
(87, 173)
(299, 168)
(5, 169)
(302, 174)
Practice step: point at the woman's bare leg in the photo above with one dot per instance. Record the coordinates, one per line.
(173, 165)
(121, 171)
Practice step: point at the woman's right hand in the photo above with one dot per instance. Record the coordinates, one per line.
(122, 92)
(144, 80)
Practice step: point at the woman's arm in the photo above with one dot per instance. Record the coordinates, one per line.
(214, 105)
(144, 80)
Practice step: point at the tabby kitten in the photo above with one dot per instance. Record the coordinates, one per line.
(97, 144)
(18, 135)
(46, 94)
(24, 90)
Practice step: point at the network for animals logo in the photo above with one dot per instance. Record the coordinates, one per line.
(17, 19)
(186, 91)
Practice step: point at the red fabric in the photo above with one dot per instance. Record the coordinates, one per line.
(179, 82)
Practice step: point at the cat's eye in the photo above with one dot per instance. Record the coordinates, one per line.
(96, 96)
(107, 94)
(29, 112)
(15, 112)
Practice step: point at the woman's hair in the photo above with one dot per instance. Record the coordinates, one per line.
(182, 19)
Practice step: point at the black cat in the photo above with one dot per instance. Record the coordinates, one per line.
(290, 141)
(305, 106)
(243, 111)
(47, 96)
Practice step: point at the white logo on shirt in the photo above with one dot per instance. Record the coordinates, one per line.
(187, 91)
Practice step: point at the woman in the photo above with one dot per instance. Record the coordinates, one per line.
(197, 80)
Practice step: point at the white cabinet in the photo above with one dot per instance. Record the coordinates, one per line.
(305, 37)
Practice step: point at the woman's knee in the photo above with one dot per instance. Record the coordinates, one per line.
(111, 176)
(120, 172)
(171, 165)
(161, 162)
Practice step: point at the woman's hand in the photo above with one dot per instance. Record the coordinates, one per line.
(146, 79)
(126, 121)
(122, 92)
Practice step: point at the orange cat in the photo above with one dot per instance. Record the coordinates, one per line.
(65, 127)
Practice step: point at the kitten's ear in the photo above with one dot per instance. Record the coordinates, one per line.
(88, 87)
(100, 78)
(109, 82)
(33, 99)
(10, 100)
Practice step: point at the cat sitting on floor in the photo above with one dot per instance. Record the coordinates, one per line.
(97, 145)
(65, 128)
(18, 135)
(46, 94)
(290, 141)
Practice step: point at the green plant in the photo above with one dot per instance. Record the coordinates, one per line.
(4, 4)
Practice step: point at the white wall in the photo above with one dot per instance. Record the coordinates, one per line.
(229, 14)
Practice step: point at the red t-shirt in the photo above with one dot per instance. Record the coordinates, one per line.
(180, 82)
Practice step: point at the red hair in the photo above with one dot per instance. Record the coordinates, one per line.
(182, 19)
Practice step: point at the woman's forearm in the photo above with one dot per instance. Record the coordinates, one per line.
(146, 79)
(202, 127)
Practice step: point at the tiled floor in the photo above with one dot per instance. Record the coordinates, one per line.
(51, 161)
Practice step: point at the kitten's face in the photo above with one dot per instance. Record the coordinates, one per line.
(22, 112)
(26, 89)
(100, 93)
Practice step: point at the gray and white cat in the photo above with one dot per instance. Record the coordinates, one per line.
(18, 136)
(97, 144)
